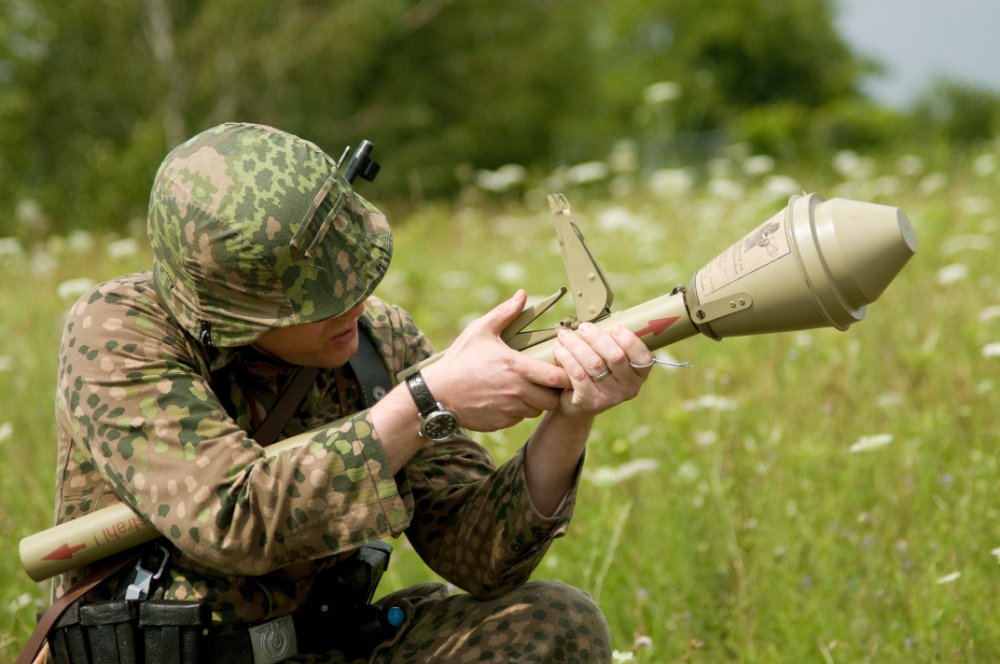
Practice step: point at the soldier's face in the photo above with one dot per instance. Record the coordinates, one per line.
(327, 344)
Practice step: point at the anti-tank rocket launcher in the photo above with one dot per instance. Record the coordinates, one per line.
(816, 263)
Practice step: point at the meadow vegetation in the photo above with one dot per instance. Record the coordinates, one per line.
(813, 496)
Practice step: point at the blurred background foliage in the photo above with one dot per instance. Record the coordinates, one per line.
(93, 94)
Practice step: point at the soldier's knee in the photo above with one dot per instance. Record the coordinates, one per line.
(567, 623)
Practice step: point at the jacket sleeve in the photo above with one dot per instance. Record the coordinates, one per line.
(473, 523)
(134, 398)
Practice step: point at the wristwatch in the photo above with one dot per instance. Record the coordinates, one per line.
(436, 422)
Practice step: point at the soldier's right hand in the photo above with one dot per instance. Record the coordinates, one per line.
(488, 385)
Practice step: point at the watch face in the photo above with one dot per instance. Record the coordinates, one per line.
(440, 425)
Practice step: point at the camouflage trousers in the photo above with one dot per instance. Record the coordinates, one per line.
(541, 621)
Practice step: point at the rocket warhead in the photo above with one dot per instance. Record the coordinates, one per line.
(817, 263)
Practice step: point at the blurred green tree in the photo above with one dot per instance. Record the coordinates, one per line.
(94, 93)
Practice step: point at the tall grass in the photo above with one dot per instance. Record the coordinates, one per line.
(758, 536)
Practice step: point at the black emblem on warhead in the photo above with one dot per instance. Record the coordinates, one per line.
(762, 238)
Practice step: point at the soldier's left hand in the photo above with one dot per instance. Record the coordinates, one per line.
(599, 365)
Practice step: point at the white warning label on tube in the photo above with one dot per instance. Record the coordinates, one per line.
(761, 247)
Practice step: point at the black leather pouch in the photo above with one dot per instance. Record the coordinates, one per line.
(173, 630)
(67, 644)
(110, 631)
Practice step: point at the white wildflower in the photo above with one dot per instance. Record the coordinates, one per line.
(123, 249)
(688, 471)
(624, 157)
(710, 402)
(910, 165)
(671, 182)
(639, 433)
(758, 165)
(618, 218)
(6, 363)
(72, 289)
(932, 184)
(502, 179)
(511, 273)
(951, 274)
(866, 443)
(720, 168)
(961, 242)
(610, 476)
(642, 642)
(456, 279)
(664, 91)
(976, 205)
(590, 171)
(21, 601)
(80, 242)
(802, 339)
(10, 247)
(6, 430)
(29, 213)
(618, 657)
(43, 264)
(487, 295)
(705, 438)
(996, 552)
(887, 185)
(621, 186)
(782, 185)
(889, 400)
(991, 350)
(725, 188)
(984, 165)
(954, 576)
(989, 313)
(985, 386)
(853, 167)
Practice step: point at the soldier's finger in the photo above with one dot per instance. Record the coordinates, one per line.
(579, 375)
(608, 348)
(538, 372)
(591, 360)
(635, 350)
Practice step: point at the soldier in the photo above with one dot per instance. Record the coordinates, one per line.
(265, 260)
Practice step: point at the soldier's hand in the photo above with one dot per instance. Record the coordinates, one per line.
(488, 385)
(599, 365)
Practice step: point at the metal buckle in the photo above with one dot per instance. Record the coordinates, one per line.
(274, 641)
(139, 588)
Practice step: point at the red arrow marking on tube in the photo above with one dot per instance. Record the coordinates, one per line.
(657, 326)
(64, 552)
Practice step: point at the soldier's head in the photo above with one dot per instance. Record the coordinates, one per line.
(255, 230)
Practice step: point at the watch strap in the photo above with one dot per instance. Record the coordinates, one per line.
(426, 403)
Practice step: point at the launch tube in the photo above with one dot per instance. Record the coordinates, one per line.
(817, 263)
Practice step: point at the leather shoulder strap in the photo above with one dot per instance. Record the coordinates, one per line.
(286, 406)
(55, 611)
(369, 369)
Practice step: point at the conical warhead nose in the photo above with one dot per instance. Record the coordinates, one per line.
(864, 245)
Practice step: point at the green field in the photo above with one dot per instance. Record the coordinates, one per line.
(759, 536)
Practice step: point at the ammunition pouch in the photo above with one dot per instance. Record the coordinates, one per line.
(337, 615)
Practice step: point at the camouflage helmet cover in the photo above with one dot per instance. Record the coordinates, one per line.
(254, 229)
